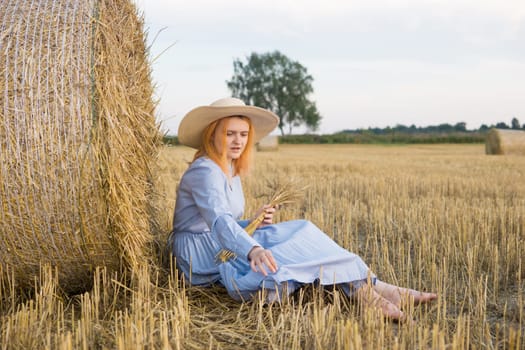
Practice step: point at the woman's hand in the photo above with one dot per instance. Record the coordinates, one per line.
(269, 211)
(260, 259)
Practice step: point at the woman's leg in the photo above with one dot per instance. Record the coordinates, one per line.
(398, 295)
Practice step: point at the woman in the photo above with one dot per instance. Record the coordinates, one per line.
(278, 257)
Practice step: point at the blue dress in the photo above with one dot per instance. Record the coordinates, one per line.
(207, 219)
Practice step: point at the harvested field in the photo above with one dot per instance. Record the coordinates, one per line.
(445, 218)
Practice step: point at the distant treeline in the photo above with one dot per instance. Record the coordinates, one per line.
(366, 137)
(400, 134)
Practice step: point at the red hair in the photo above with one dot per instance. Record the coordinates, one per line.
(241, 165)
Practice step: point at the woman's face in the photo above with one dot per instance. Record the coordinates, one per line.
(236, 137)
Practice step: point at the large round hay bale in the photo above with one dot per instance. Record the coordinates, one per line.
(77, 135)
(268, 143)
(504, 141)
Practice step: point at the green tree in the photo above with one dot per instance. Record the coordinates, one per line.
(515, 123)
(461, 126)
(273, 81)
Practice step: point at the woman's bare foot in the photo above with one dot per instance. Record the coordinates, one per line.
(368, 298)
(398, 296)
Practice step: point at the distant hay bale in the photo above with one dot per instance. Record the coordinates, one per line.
(268, 143)
(504, 141)
(77, 135)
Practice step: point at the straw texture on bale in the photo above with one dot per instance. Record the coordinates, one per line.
(268, 143)
(503, 141)
(77, 135)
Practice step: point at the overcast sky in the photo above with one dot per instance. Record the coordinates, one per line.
(375, 63)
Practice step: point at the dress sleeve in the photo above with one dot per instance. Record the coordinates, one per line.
(243, 223)
(208, 188)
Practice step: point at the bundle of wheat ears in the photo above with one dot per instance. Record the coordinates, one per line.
(284, 193)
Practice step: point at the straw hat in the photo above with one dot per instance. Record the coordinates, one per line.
(193, 124)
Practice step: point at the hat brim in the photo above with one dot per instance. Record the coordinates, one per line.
(193, 124)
